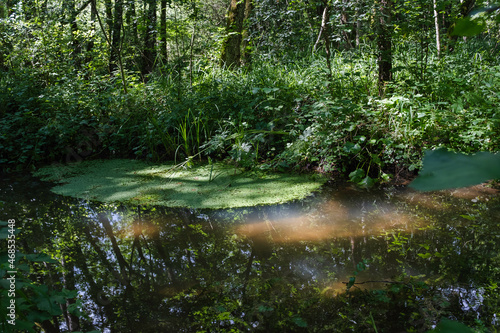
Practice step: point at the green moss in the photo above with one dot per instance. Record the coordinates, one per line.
(138, 182)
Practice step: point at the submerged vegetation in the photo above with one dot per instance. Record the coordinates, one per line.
(355, 90)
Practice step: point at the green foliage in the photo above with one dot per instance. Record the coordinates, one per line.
(34, 302)
(448, 326)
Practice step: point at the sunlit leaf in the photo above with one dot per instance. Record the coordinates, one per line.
(444, 170)
(468, 27)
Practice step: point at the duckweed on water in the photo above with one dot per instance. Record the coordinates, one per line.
(206, 186)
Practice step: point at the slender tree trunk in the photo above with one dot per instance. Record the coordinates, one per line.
(132, 34)
(108, 41)
(436, 25)
(191, 45)
(163, 30)
(109, 16)
(384, 43)
(344, 19)
(116, 35)
(75, 40)
(325, 35)
(246, 50)
(358, 25)
(149, 53)
(90, 43)
(3, 15)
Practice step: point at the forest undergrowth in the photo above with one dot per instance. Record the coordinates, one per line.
(281, 114)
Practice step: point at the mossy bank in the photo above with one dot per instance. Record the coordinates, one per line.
(213, 186)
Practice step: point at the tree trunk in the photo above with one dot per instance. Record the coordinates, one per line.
(436, 25)
(163, 30)
(131, 32)
(149, 52)
(109, 16)
(90, 43)
(344, 20)
(358, 26)
(326, 37)
(231, 47)
(384, 43)
(246, 52)
(116, 35)
(236, 49)
(71, 12)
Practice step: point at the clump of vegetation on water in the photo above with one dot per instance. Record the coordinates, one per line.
(212, 186)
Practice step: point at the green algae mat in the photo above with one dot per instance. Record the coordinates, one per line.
(213, 186)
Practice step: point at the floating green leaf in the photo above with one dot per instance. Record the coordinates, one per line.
(444, 170)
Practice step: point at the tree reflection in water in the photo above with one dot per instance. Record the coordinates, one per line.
(279, 268)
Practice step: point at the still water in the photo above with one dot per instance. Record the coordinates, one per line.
(343, 260)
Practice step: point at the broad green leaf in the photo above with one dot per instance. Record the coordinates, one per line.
(367, 182)
(444, 170)
(450, 326)
(357, 175)
(23, 325)
(425, 256)
(40, 257)
(352, 280)
(299, 322)
(46, 304)
(468, 27)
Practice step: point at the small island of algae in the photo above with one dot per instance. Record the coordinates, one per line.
(214, 186)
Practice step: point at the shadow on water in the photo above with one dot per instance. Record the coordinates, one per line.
(408, 259)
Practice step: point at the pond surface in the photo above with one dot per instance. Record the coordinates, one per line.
(345, 259)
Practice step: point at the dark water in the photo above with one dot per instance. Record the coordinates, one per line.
(414, 258)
